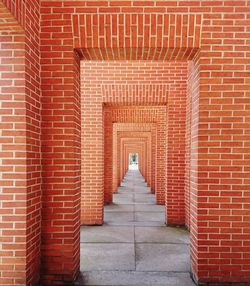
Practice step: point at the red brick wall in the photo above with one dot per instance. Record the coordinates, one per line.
(13, 160)
(60, 75)
(33, 138)
(223, 149)
(20, 145)
(192, 159)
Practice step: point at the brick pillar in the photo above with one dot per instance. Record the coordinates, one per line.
(20, 164)
(220, 185)
(108, 160)
(92, 154)
(61, 162)
(161, 161)
(176, 122)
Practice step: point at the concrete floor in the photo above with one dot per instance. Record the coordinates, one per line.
(134, 247)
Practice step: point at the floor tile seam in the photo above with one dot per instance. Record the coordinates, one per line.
(161, 226)
(105, 242)
(162, 243)
(118, 284)
(149, 212)
(136, 284)
(139, 271)
(132, 242)
(135, 211)
(134, 226)
(137, 223)
(139, 203)
(143, 222)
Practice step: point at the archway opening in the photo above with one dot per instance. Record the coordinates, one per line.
(133, 161)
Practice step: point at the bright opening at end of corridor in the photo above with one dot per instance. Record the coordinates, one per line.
(133, 161)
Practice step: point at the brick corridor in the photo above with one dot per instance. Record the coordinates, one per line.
(134, 247)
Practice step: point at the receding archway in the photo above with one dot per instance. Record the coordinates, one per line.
(173, 95)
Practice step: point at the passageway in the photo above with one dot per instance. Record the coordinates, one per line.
(134, 246)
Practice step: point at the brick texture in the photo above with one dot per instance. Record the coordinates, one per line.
(151, 36)
(139, 114)
(60, 84)
(20, 190)
(105, 82)
(207, 125)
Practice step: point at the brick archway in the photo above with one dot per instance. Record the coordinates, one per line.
(134, 128)
(59, 34)
(138, 115)
(143, 141)
(183, 46)
(134, 136)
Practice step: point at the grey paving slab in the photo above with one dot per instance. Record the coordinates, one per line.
(161, 235)
(123, 194)
(107, 256)
(149, 208)
(125, 191)
(144, 198)
(144, 195)
(122, 199)
(150, 216)
(135, 278)
(94, 234)
(162, 257)
(125, 188)
(127, 184)
(119, 208)
(149, 223)
(136, 223)
(141, 185)
(118, 217)
(142, 191)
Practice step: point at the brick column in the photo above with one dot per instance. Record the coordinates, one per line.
(61, 144)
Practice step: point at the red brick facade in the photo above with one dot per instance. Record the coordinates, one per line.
(193, 61)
